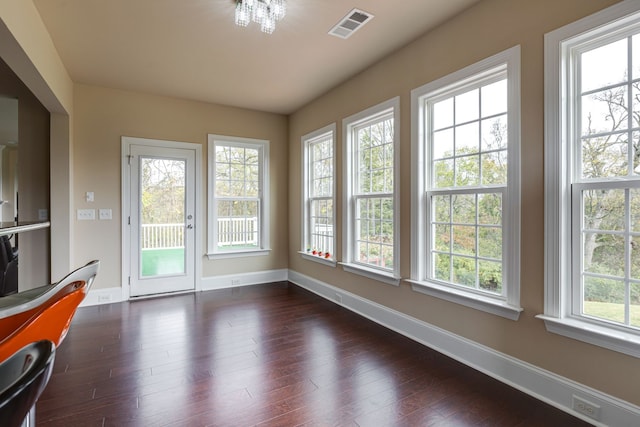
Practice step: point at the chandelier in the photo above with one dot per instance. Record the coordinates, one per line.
(263, 12)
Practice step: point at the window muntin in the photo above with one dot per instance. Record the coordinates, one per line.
(373, 196)
(466, 186)
(605, 284)
(573, 123)
(468, 137)
(371, 236)
(319, 199)
(466, 244)
(467, 142)
(237, 186)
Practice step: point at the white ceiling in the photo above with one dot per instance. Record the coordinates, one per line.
(192, 49)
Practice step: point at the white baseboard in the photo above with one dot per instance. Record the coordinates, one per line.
(112, 295)
(539, 383)
(243, 279)
(102, 296)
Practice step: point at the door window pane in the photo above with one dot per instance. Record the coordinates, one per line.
(162, 214)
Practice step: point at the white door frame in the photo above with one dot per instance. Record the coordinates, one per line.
(127, 141)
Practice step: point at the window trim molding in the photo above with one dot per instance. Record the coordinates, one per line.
(371, 273)
(265, 245)
(557, 178)
(331, 262)
(330, 129)
(461, 297)
(510, 306)
(389, 277)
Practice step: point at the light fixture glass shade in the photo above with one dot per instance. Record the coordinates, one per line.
(243, 14)
(263, 12)
(279, 9)
(268, 24)
(259, 12)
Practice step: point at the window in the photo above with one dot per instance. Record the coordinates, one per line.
(318, 165)
(592, 194)
(238, 196)
(371, 242)
(466, 192)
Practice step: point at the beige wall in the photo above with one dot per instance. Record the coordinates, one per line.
(27, 47)
(103, 116)
(485, 29)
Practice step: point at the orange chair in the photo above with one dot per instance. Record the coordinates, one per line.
(43, 313)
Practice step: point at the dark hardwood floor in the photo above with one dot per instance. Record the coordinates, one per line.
(273, 355)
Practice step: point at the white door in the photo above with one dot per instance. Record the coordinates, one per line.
(162, 223)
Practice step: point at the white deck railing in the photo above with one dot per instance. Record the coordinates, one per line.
(322, 238)
(231, 231)
(237, 231)
(162, 236)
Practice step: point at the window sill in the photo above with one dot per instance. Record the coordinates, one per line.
(609, 338)
(468, 299)
(371, 273)
(239, 254)
(326, 261)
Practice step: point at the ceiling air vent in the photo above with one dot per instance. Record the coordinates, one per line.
(350, 23)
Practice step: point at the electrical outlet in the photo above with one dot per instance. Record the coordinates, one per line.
(104, 213)
(587, 408)
(338, 298)
(43, 214)
(235, 282)
(104, 298)
(86, 214)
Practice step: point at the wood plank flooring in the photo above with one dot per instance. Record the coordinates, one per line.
(269, 355)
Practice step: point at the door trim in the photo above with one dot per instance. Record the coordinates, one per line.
(126, 142)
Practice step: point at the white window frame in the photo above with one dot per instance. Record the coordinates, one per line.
(508, 304)
(327, 132)
(558, 314)
(263, 217)
(349, 228)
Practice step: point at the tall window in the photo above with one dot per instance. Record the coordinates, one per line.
(371, 238)
(593, 179)
(318, 236)
(466, 198)
(238, 196)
